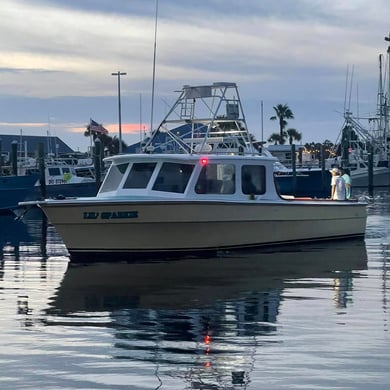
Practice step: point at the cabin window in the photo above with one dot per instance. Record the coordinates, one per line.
(253, 179)
(114, 177)
(173, 177)
(54, 171)
(216, 179)
(139, 175)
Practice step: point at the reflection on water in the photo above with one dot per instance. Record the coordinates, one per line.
(28, 237)
(304, 316)
(202, 319)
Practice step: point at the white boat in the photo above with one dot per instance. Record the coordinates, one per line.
(218, 194)
(58, 172)
(364, 150)
(356, 147)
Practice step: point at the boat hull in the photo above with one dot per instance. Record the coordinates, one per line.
(313, 183)
(380, 178)
(127, 230)
(15, 189)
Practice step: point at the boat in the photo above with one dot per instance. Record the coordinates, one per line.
(305, 182)
(195, 195)
(15, 189)
(296, 178)
(61, 180)
(65, 180)
(364, 149)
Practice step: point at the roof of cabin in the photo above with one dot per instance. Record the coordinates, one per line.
(32, 141)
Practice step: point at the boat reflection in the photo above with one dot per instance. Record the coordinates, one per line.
(200, 320)
(28, 237)
(18, 236)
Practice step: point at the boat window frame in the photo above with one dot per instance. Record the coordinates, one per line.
(252, 182)
(143, 177)
(54, 171)
(163, 182)
(216, 178)
(114, 177)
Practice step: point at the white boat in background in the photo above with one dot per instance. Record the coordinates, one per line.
(61, 180)
(355, 150)
(208, 191)
(365, 150)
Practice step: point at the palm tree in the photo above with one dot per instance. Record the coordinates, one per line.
(275, 137)
(283, 112)
(293, 135)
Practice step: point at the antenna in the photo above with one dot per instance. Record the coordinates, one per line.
(154, 68)
(262, 124)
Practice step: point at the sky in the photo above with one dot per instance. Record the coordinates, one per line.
(57, 58)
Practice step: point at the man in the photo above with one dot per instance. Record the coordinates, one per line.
(348, 182)
(338, 185)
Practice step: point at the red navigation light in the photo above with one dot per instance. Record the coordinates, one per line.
(204, 161)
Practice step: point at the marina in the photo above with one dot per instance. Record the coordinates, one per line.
(194, 258)
(310, 315)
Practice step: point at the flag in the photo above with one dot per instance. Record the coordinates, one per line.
(95, 127)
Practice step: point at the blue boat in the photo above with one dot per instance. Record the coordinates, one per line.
(14, 189)
(313, 183)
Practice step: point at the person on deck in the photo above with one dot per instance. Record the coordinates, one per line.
(338, 185)
(347, 178)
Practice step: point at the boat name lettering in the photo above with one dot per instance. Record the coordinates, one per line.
(110, 214)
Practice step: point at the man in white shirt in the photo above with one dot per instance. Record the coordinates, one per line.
(338, 185)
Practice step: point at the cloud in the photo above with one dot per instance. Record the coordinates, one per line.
(57, 57)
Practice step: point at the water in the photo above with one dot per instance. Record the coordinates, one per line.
(309, 317)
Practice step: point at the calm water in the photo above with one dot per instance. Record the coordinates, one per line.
(309, 317)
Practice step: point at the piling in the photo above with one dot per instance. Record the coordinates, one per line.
(1, 156)
(14, 157)
(98, 162)
(41, 163)
(370, 171)
(324, 184)
(294, 168)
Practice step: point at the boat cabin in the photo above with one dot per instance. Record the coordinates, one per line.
(190, 176)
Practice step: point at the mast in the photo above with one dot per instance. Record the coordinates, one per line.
(386, 104)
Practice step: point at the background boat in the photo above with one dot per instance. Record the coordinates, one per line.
(61, 180)
(14, 189)
(363, 145)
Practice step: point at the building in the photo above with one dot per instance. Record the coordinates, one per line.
(27, 145)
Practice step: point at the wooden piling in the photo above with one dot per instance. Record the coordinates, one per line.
(98, 162)
(14, 157)
(370, 171)
(42, 175)
(294, 168)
